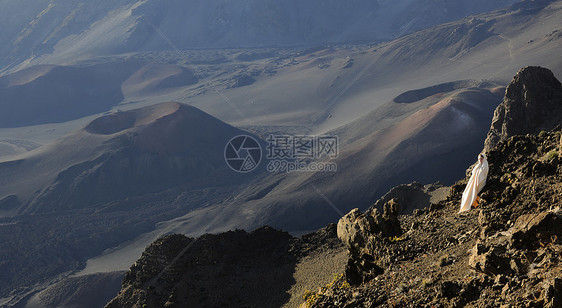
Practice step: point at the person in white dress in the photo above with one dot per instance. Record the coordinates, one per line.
(475, 184)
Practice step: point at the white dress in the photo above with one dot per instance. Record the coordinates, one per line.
(475, 184)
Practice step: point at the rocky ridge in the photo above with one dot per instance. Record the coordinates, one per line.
(232, 269)
(414, 196)
(504, 253)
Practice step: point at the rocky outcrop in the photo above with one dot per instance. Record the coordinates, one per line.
(535, 230)
(232, 269)
(355, 227)
(489, 259)
(532, 103)
(368, 236)
(365, 236)
(414, 196)
(505, 253)
(242, 81)
(213, 270)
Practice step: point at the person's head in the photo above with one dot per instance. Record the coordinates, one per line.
(481, 157)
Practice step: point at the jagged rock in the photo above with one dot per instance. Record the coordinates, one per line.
(500, 281)
(482, 219)
(361, 269)
(530, 229)
(552, 294)
(560, 148)
(354, 229)
(532, 103)
(364, 235)
(414, 196)
(389, 225)
(390, 210)
(488, 260)
(516, 266)
(449, 289)
(234, 268)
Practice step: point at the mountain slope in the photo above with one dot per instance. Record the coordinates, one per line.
(427, 140)
(104, 185)
(121, 155)
(76, 292)
(440, 155)
(504, 253)
(53, 94)
(235, 268)
(334, 86)
(498, 253)
(34, 28)
(371, 79)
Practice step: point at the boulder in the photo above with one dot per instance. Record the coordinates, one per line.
(552, 293)
(414, 196)
(354, 229)
(531, 229)
(488, 260)
(390, 226)
(532, 103)
(449, 289)
(364, 236)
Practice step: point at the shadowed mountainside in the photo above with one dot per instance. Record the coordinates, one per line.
(54, 94)
(230, 269)
(76, 292)
(122, 155)
(108, 183)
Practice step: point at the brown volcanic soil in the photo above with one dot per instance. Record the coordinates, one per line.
(430, 264)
